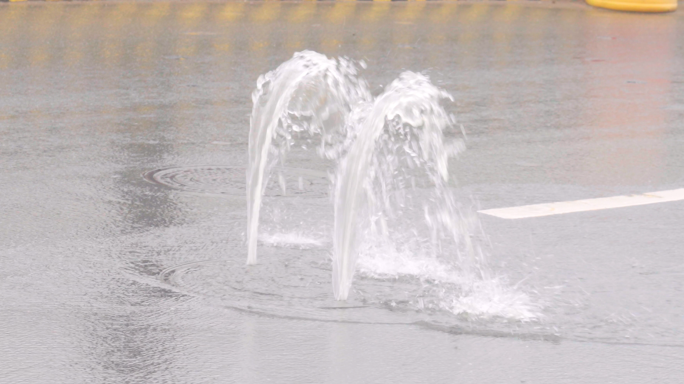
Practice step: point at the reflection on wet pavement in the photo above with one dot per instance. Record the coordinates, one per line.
(559, 102)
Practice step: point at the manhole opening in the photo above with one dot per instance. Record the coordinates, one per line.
(231, 181)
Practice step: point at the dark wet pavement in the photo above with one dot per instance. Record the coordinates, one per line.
(559, 102)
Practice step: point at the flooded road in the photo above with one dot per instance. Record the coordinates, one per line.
(124, 133)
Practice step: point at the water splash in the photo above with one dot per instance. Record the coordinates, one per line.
(399, 144)
(395, 214)
(308, 95)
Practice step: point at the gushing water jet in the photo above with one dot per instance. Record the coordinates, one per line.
(406, 122)
(307, 94)
(390, 154)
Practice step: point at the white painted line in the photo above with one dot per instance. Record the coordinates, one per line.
(538, 210)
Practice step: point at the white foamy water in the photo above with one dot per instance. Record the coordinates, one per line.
(481, 296)
(293, 239)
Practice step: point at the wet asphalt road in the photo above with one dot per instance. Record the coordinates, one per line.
(559, 102)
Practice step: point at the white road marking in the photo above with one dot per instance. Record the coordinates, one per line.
(559, 208)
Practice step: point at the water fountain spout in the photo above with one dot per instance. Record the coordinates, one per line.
(309, 94)
(411, 108)
(394, 211)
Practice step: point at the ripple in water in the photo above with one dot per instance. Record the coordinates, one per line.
(230, 181)
(284, 287)
(295, 284)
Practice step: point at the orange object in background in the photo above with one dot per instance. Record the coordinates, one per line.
(636, 5)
